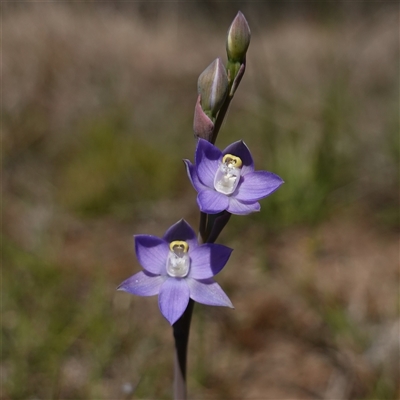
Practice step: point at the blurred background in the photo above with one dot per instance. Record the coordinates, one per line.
(97, 109)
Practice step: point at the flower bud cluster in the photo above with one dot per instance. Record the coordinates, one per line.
(217, 84)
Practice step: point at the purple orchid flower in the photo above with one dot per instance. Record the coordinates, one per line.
(177, 268)
(226, 180)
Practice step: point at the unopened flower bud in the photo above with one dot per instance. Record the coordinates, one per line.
(202, 125)
(212, 86)
(238, 39)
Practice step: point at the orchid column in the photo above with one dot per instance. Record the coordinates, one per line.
(180, 266)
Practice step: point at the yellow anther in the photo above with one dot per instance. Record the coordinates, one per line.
(229, 159)
(179, 245)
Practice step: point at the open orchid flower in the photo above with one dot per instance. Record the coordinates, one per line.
(177, 268)
(226, 180)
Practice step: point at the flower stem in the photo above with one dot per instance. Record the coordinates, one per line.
(209, 230)
(234, 81)
(203, 227)
(216, 225)
(181, 330)
(220, 118)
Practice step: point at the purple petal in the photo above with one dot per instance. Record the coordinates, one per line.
(207, 160)
(152, 253)
(212, 202)
(142, 284)
(192, 174)
(239, 208)
(208, 292)
(239, 149)
(207, 260)
(181, 231)
(173, 299)
(257, 185)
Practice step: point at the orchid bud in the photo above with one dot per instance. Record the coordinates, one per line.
(238, 39)
(202, 125)
(212, 86)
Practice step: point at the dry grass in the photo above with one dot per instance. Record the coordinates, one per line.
(97, 109)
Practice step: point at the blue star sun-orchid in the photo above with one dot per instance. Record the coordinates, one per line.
(177, 268)
(226, 180)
